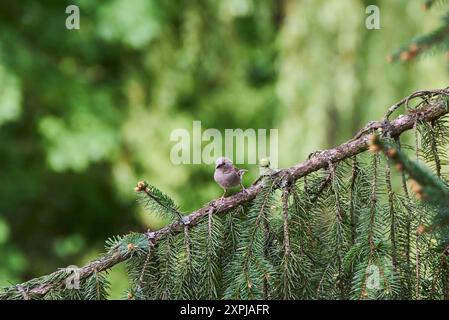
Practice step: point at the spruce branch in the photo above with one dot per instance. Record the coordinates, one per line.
(425, 184)
(392, 213)
(437, 39)
(354, 176)
(121, 249)
(157, 200)
(430, 190)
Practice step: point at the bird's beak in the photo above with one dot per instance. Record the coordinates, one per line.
(219, 165)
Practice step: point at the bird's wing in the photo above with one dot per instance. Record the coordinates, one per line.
(230, 169)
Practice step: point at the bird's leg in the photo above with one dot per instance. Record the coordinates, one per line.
(243, 188)
(223, 196)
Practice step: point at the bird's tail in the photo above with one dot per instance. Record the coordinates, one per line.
(242, 172)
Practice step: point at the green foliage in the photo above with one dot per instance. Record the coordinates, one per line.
(427, 185)
(370, 257)
(249, 275)
(209, 252)
(429, 224)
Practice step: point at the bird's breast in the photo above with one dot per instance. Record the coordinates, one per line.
(227, 179)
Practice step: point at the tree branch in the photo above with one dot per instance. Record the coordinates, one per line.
(431, 111)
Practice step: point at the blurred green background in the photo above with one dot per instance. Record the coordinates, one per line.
(85, 114)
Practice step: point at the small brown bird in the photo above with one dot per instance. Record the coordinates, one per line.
(227, 175)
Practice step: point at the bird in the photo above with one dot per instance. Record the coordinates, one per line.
(227, 175)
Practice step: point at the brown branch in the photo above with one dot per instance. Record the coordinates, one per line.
(435, 109)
